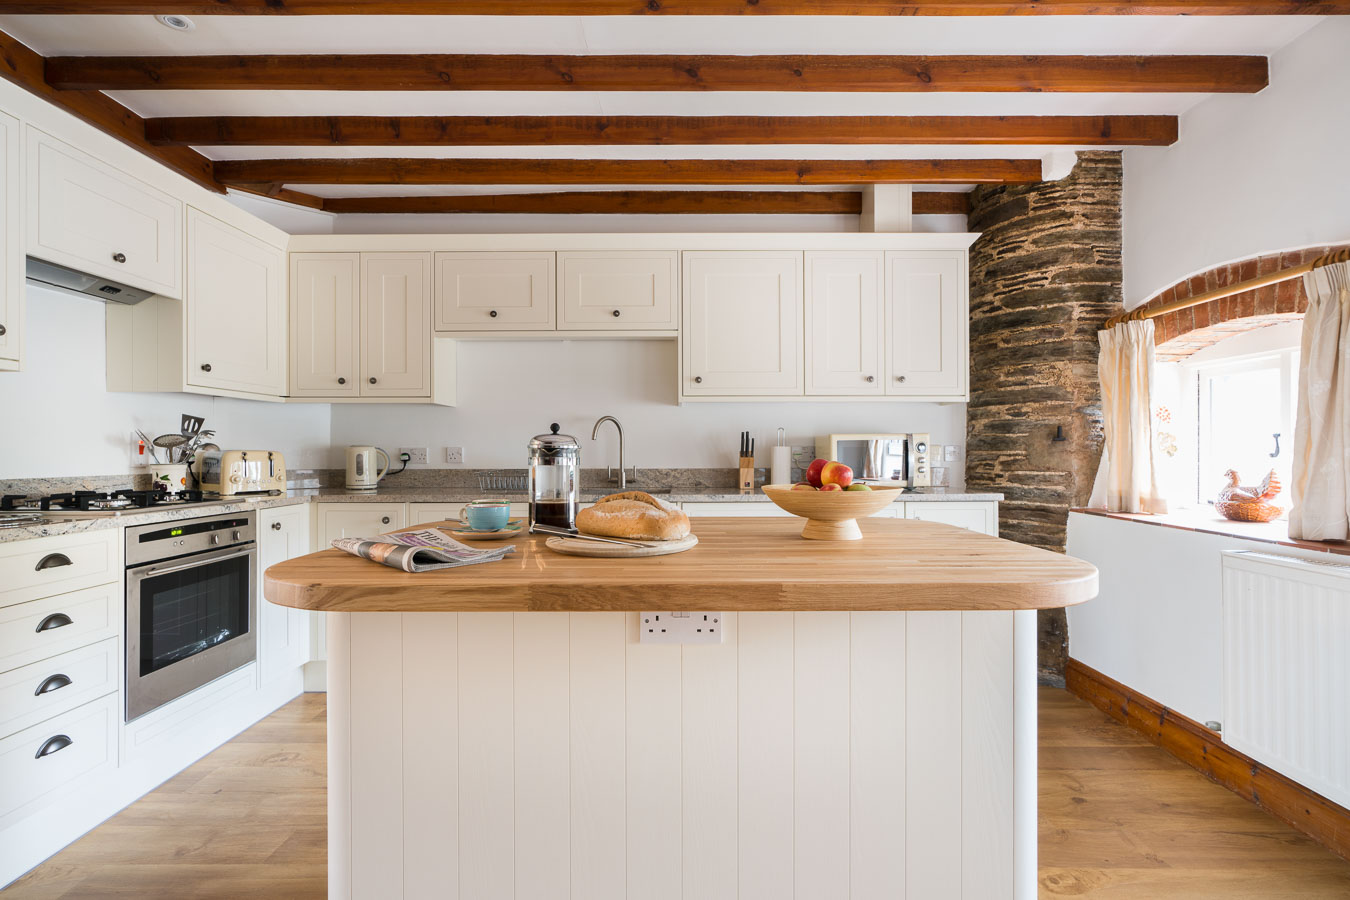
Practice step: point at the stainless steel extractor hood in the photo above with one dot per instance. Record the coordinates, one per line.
(73, 281)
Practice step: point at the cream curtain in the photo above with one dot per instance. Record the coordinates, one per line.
(1126, 481)
(1320, 494)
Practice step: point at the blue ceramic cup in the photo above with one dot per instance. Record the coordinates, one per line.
(486, 515)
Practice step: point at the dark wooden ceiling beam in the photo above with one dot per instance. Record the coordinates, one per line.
(476, 131)
(846, 203)
(24, 67)
(627, 171)
(681, 7)
(659, 72)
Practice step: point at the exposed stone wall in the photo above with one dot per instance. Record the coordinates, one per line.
(1044, 275)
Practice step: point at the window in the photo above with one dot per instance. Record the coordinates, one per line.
(1230, 406)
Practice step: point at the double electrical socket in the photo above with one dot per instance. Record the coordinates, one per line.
(417, 456)
(679, 628)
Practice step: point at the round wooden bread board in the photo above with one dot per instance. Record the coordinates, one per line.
(579, 547)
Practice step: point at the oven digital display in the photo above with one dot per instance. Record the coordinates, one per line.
(193, 528)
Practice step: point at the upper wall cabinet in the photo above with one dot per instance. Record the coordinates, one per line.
(742, 323)
(87, 215)
(361, 330)
(396, 318)
(236, 309)
(325, 320)
(927, 321)
(494, 291)
(11, 247)
(845, 323)
(621, 290)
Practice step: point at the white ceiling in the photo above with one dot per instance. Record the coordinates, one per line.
(142, 35)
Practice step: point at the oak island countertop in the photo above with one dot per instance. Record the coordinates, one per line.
(739, 565)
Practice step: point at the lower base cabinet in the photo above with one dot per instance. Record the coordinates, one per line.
(283, 533)
(974, 515)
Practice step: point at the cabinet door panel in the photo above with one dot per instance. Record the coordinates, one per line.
(396, 339)
(742, 323)
(518, 287)
(617, 290)
(88, 215)
(975, 516)
(845, 328)
(325, 322)
(283, 533)
(11, 245)
(338, 520)
(926, 324)
(235, 309)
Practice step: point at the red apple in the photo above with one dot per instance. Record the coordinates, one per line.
(836, 473)
(813, 471)
(830, 487)
(803, 486)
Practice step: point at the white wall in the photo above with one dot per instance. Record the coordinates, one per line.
(510, 391)
(1251, 174)
(57, 419)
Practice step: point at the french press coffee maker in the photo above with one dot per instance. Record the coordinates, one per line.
(555, 477)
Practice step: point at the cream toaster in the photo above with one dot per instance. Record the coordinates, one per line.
(242, 471)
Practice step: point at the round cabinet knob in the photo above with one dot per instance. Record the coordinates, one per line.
(616, 313)
(119, 257)
(384, 520)
(206, 367)
(342, 381)
(2, 331)
(900, 378)
(492, 313)
(698, 379)
(870, 379)
(276, 526)
(372, 379)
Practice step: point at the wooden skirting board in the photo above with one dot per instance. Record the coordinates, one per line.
(1202, 749)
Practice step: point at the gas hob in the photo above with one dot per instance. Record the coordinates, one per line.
(98, 503)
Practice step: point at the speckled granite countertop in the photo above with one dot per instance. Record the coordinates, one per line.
(406, 495)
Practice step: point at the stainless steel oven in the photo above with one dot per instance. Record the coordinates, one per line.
(191, 605)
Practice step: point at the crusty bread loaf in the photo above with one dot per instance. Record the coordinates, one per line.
(636, 515)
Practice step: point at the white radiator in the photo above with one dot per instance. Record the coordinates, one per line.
(1286, 638)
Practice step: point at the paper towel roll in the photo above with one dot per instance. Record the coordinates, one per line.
(780, 465)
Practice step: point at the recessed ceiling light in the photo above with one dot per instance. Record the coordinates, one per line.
(177, 23)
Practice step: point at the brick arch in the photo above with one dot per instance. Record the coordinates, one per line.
(1183, 332)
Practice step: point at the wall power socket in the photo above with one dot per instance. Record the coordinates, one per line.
(454, 455)
(417, 456)
(679, 628)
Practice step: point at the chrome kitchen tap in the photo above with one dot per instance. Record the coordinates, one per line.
(623, 475)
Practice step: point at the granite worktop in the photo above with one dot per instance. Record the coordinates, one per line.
(426, 494)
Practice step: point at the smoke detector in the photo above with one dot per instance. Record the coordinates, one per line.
(177, 23)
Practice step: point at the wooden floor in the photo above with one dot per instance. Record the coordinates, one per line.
(1119, 819)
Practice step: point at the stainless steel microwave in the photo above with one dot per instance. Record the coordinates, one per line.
(881, 457)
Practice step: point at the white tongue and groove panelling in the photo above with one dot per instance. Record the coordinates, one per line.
(541, 755)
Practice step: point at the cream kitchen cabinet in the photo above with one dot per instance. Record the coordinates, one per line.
(742, 323)
(927, 320)
(620, 290)
(421, 513)
(235, 308)
(283, 634)
(339, 520)
(976, 515)
(325, 322)
(396, 320)
(845, 323)
(85, 214)
(11, 247)
(495, 291)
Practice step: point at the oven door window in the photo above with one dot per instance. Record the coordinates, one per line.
(187, 611)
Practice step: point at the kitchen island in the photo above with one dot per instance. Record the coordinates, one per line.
(866, 726)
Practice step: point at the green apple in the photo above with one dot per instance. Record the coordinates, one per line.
(858, 486)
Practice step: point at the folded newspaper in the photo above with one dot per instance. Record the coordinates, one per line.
(419, 551)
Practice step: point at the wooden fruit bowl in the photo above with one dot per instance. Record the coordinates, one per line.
(832, 515)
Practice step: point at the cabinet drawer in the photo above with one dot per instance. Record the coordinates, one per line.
(494, 291)
(69, 679)
(422, 513)
(622, 290)
(338, 520)
(46, 566)
(975, 516)
(72, 620)
(87, 737)
(749, 509)
(88, 215)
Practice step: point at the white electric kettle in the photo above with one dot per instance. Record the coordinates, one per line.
(363, 471)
